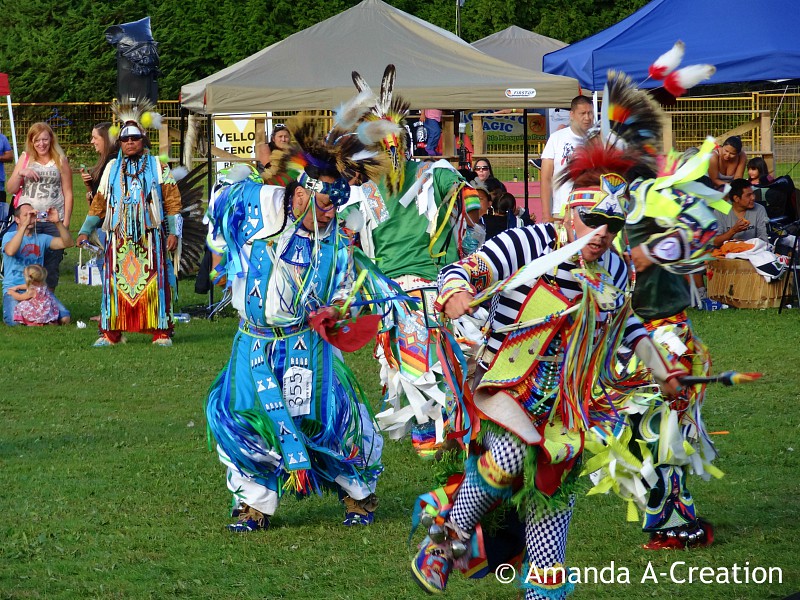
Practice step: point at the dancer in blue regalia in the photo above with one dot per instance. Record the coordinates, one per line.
(286, 412)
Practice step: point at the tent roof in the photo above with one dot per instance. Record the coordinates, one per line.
(518, 46)
(762, 46)
(311, 69)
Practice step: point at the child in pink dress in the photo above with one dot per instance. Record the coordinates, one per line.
(37, 304)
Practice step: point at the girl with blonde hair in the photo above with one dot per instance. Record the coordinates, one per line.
(37, 304)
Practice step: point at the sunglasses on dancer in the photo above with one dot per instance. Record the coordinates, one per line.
(595, 220)
(130, 138)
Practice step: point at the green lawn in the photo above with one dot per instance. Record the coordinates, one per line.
(108, 488)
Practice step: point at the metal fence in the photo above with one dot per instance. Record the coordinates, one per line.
(72, 123)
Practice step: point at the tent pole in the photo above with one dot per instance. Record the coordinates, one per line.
(210, 183)
(13, 131)
(525, 156)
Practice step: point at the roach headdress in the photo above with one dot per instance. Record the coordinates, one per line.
(384, 124)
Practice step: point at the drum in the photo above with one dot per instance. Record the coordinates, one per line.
(735, 282)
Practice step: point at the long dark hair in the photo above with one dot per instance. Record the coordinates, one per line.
(763, 171)
(108, 153)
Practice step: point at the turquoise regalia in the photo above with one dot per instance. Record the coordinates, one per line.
(285, 411)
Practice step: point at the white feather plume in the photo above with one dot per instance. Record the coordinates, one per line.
(677, 82)
(180, 172)
(350, 112)
(668, 62)
(238, 172)
(372, 132)
(354, 220)
(155, 120)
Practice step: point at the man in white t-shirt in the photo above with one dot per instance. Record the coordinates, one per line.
(555, 156)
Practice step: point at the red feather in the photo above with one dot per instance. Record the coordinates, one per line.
(593, 159)
(677, 82)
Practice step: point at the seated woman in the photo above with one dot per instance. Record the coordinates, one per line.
(727, 162)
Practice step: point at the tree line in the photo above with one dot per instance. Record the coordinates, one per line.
(57, 52)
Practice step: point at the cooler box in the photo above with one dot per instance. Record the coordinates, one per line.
(735, 282)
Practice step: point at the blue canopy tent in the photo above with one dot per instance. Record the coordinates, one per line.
(745, 41)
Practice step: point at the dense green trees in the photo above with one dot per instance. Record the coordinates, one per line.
(57, 52)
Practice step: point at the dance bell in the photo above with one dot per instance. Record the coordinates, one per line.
(696, 536)
(458, 548)
(426, 519)
(683, 536)
(436, 533)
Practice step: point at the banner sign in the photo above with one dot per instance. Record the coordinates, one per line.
(235, 136)
(508, 128)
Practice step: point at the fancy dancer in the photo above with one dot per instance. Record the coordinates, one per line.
(415, 221)
(137, 204)
(549, 356)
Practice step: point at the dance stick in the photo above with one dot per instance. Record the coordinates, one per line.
(727, 378)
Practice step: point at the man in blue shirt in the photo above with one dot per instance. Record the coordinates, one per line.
(23, 246)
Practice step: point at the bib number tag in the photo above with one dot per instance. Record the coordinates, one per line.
(297, 391)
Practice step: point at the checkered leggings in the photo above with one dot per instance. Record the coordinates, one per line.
(545, 529)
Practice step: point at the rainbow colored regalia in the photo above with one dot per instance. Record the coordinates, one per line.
(137, 206)
(413, 225)
(657, 441)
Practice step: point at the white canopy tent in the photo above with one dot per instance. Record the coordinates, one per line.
(435, 69)
(518, 46)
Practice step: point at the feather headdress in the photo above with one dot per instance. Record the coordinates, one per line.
(138, 114)
(338, 152)
(384, 125)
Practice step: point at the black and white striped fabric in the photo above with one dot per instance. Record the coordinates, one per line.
(512, 249)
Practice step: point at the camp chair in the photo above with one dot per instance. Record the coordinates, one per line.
(779, 197)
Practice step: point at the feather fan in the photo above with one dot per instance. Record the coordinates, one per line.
(193, 238)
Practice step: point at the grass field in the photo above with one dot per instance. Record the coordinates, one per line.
(108, 488)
